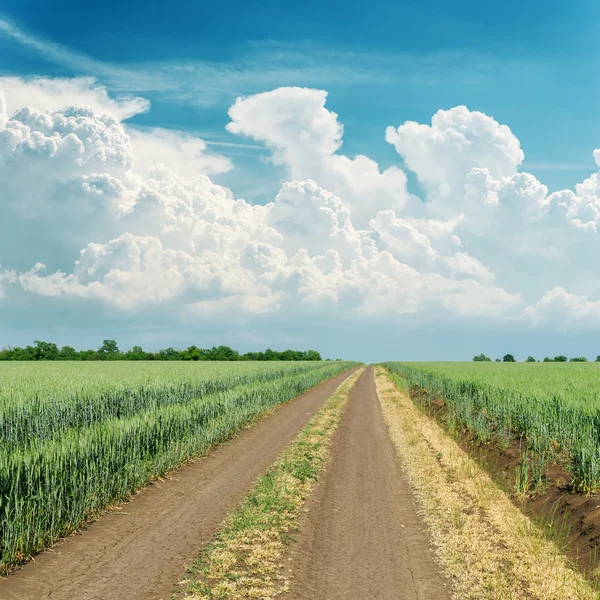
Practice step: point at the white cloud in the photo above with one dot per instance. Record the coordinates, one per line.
(3, 110)
(559, 309)
(79, 171)
(403, 239)
(6, 277)
(183, 153)
(131, 218)
(126, 271)
(443, 154)
(462, 265)
(44, 94)
(305, 137)
(473, 299)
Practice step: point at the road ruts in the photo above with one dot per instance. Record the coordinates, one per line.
(362, 537)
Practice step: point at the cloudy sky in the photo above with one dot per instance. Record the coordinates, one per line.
(414, 180)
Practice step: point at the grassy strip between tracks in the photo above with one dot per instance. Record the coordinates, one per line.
(244, 561)
(485, 544)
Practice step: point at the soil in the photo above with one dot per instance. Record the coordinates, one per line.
(141, 550)
(362, 536)
(575, 515)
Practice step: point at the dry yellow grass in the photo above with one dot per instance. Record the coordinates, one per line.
(486, 546)
(245, 559)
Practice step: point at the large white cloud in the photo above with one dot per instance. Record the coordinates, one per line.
(305, 137)
(443, 154)
(131, 218)
(559, 307)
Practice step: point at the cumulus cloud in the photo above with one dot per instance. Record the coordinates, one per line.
(44, 93)
(6, 277)
(462, 265)
(130, 217)
(443, 154)
(559, 308)
(183, 153)
(305, 138)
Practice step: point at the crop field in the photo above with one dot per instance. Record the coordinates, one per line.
(442, 480)
(552, 409)
(78, 437)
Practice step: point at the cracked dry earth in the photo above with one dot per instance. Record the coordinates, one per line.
(362, 536)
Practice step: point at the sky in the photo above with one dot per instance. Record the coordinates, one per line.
(379, 181)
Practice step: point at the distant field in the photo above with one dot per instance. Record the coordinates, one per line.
(553, 409)
(77, 437)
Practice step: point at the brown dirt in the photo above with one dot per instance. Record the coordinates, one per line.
(575, 515)
(142, 550)
(362, 536)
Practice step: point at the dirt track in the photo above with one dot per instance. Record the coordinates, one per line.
(139, 552)
(362, 537)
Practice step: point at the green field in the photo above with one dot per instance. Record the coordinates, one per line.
(551, 409)
(77, 437)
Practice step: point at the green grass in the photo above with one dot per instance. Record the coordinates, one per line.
(78, 437)
(551, 409)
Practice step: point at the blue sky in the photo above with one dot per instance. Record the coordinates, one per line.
(528, 65)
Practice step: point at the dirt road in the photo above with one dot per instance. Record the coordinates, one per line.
(139, 552)
(362, 537)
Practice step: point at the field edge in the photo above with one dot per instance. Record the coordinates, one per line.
(486, 546)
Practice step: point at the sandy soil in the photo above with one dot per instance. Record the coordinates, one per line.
(141, 550)
(362, 536)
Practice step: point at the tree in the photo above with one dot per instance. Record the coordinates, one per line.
(45, 350)
(578, 359)
(89, 355)
(313, 355)
(192, 353)
(138, 353)
(482, 358)
(109, 349)
(530, 359)
(68, 353)
(498, 360)
(598, 358)
(508, 358)
(546, 359)
(560, 358)
(168, 354)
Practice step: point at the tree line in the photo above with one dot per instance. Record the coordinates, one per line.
(109, 350)
(510, 358)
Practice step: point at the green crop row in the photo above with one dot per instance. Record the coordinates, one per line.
(552, 410)
(39, 403)
(51, 484)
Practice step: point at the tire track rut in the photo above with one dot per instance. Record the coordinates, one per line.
(362, 536)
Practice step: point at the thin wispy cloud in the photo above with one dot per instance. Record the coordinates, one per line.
(233, 144)
(204, 82)
(56, 53)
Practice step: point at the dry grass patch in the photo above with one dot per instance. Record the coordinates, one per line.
(245, 559)
(487, 547)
